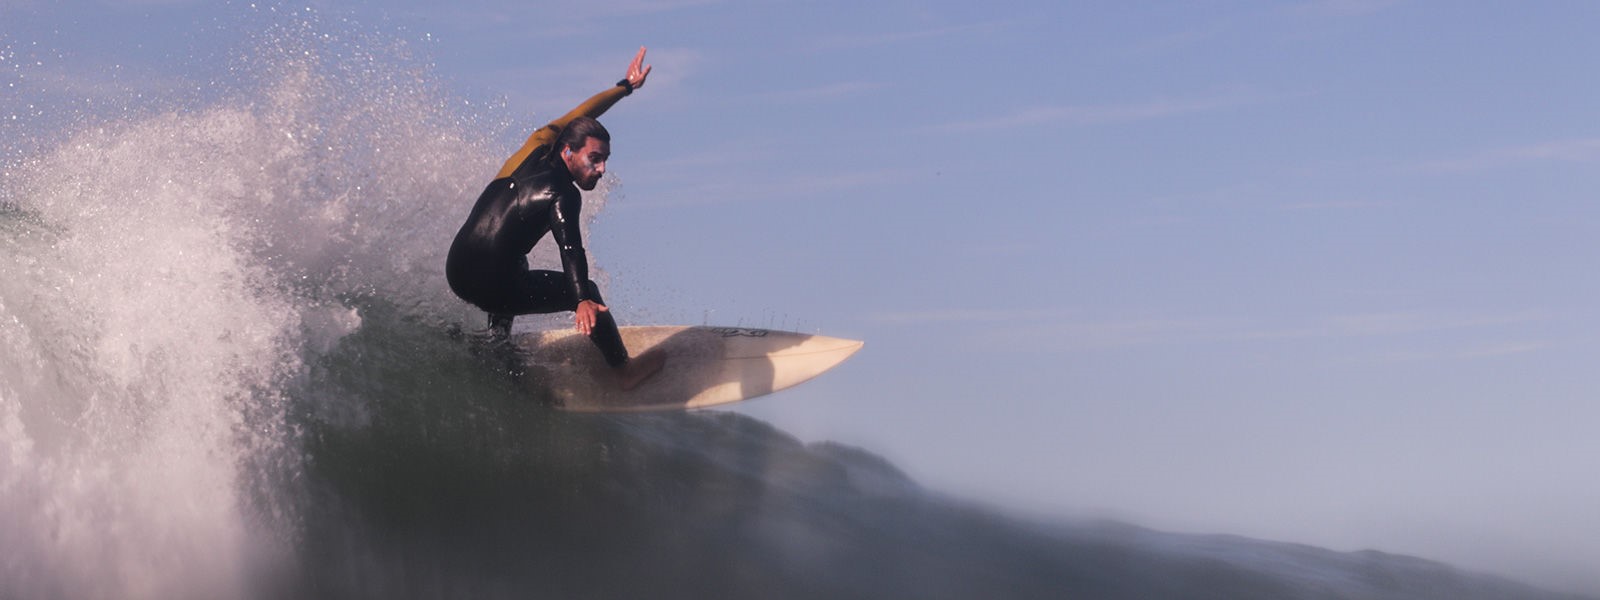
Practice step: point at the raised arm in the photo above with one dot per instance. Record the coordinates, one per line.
(593, 107)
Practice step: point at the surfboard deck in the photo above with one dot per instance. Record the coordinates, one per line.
(706, 366)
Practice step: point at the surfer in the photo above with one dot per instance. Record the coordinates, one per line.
(536, 192)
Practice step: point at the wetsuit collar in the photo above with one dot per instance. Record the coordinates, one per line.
(558, 167)
(542, 160)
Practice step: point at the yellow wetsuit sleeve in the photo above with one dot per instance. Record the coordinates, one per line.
(592, 108)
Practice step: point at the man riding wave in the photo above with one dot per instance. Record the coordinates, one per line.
(537, 192)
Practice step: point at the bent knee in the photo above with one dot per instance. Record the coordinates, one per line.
(591, 290)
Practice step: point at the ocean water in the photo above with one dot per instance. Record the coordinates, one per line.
(230, 368)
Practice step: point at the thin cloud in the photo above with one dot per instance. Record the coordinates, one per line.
(633, 8)
(1389, 324)
(564, 18)
(1052, 327)
(1064, 330)
(1084, 115)
(809, 187)
(1345, 8)
(1231, 26)
(1490, 350)
(1185, 39)
(822, 93)
(812, 185)
(1582, 151)
(1312, 205)
(1057, 332)
(700, 161)
(962, 316)
(884, 38)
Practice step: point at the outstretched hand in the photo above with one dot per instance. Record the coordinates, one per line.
(636, 74)
(587, 312)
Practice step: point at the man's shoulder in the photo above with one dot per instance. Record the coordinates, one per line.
(536, 168)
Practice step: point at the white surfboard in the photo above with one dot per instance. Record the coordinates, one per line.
(706, 366)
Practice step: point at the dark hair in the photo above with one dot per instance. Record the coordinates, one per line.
(578, 131)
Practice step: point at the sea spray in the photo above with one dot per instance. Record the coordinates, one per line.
(168, 272)
(152, 339)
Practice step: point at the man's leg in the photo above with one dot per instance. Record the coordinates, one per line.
(500, 325)
(549, 291)
(543, 292)
(605, 334)
(496, 344)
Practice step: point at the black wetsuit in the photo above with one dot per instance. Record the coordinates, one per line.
(488, 263)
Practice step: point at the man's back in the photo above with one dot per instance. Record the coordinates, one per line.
(508, 219)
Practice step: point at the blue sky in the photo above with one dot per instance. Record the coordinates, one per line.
(1316, 271)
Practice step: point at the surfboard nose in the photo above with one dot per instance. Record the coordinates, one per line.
(822, 344)
(809, 357)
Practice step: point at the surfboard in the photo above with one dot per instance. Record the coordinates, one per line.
(706, 366)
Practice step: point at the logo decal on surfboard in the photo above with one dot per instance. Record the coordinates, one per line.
(739, 332)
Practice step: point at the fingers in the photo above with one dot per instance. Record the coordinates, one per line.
(584, 319)
(638, 60)
(637, 70)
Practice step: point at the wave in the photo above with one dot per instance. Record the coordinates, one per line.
(166, 274)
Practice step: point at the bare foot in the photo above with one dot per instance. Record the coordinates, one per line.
(640, 368)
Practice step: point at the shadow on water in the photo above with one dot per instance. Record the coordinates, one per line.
(430, 473)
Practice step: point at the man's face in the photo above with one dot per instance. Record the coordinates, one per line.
(588, 163)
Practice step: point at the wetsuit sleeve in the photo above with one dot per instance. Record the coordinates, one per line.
(569, 240)
(593, 107)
